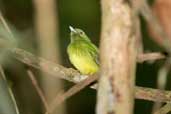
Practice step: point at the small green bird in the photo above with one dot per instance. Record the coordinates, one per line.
(83, 54)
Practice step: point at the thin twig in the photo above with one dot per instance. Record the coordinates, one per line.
(52, 105)
(6, 25)
(164, 110)
(162, 81)
(75, 89)
(9, 94)
(145, 10)
(150, 57)
(137, 27)
(38, 89)
(163, 73)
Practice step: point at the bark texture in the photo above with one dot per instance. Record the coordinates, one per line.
(118, 59)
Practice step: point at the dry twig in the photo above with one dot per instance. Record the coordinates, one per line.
(144, 9)
(73, 90)
(6, 25)
(150, 94)
(162, 80)
(6, 96)
(38, 89)
(150, 57)
(164, 110)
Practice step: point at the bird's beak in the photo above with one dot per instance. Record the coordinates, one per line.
(72, 29)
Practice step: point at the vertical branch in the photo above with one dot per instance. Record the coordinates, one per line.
(118, 58)
(162, 81)
(48, 41)
(46, 27)
(138, 34)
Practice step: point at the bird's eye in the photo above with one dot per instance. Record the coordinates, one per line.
(81, 32)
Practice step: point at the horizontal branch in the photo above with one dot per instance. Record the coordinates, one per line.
(72, 75)
(150, 57)
(150, 94)
(48, 67)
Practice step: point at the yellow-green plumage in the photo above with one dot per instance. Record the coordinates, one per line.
(82, 53)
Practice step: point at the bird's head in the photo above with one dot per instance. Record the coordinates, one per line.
(77, 34)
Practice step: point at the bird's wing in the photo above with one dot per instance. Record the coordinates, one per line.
(94, 51)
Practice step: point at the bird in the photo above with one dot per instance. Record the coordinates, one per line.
(83, 54)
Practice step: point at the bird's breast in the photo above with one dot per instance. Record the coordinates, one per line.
(83, 61)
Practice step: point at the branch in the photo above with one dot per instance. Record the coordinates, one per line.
(72, 75)
(144, 9)
(164, 110)
(49, 67)
(162, 77)
(48, 42)
(6, 25)
(75, 89)
(150, 57)
(7, 96)
(39, 91)
(118, 52)
(150, 94)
